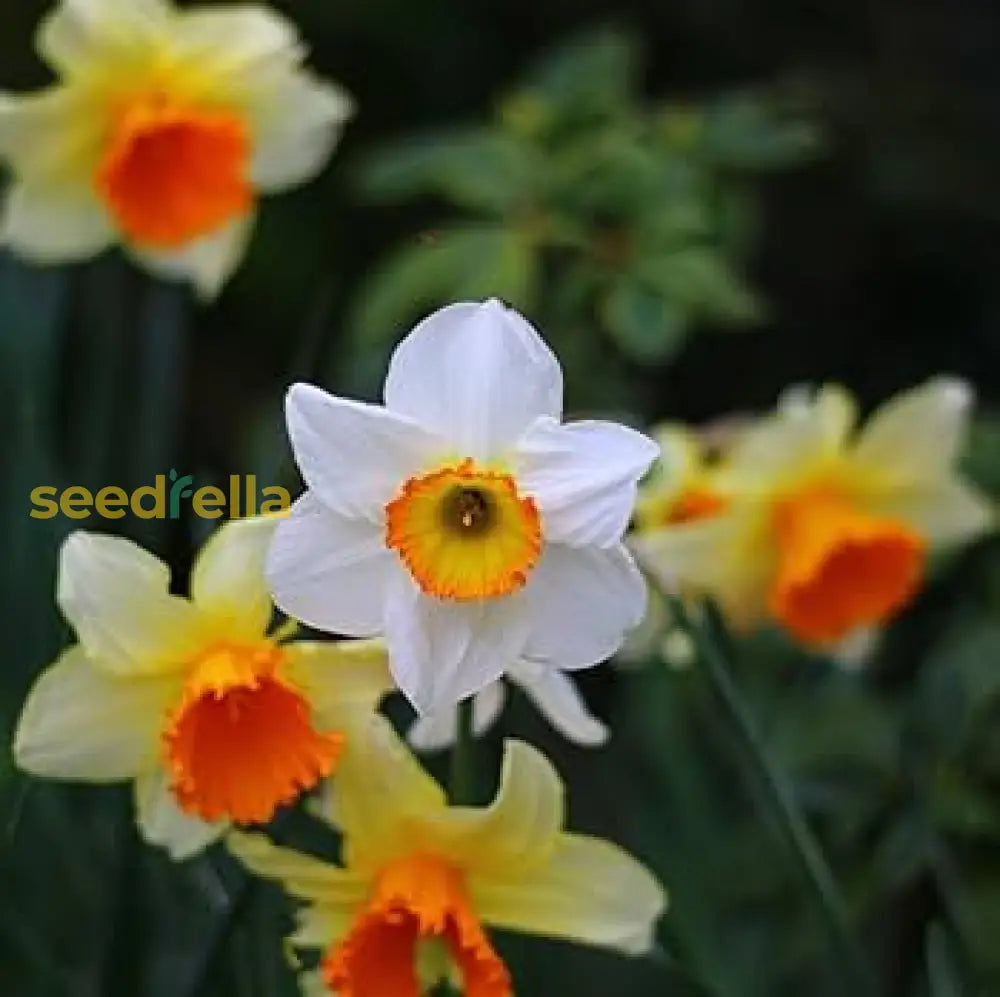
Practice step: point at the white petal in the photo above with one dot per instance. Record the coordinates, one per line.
(476, 374)
(297, 124)
(442, 651)
(55, 222)
(559, 701)
(162, 822)
(80, 723)
(354, 456)
(583, 477)
(82, 32)
(946, 511)
(207, 263)
(582, 603)
(115, 594)
(228, 580)
(330, 571)
(918, 434)
(437, 731)
(592, 891)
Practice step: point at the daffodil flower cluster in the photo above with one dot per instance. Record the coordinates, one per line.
(464, 536)
(461, 536)
(802, 518)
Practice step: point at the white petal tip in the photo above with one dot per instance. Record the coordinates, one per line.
(958, 393)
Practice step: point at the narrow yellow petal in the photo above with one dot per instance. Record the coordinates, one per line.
(381, 794)
(518, 831)
(164, 824)
(115, 594)
(81, 723)
(591, 891)
(343, 680)
(228, 581)
(303, 876)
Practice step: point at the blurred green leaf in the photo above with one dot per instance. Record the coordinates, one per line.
(592, 74)
(482, 169)
(700, 279)
(463, 262)
(747, 131)
(647, 326)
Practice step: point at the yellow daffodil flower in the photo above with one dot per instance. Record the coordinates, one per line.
(687, 482)
(163, 128)
(216, 721)
(420, 879)
(823, 527)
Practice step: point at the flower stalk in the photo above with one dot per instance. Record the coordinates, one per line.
(461, 782)
(790, 819)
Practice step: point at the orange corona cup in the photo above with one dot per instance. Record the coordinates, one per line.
(409, 907)
(819, 525)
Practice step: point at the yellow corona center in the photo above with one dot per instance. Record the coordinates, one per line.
(171, 173)
(418, 902)
(839, 567)
(465, 533)
(241, 742)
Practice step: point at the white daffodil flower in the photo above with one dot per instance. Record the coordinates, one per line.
(463, 520)
(553, 694)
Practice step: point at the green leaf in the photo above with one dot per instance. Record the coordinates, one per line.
(593, 74)
(700, 279)
(646, 326)
(464, 262)
(944, 976)
(748, 131)
(474, 168)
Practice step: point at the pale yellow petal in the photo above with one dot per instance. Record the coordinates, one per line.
(518, 831)
(82, 35)
(51, 136)
(297, 124)
(115, 594)
(80, 723)
(591, 891)
(54, 222)
(832, 409)
(730, 557)
(918, 434)
(303, 876)
(343, 680)
(235, 47)
(227, 580)
(381, 793)
(207, 263)
(946, 512)
(162, 822)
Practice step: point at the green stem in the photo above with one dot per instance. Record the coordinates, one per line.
(790, 817)
(463, 761)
